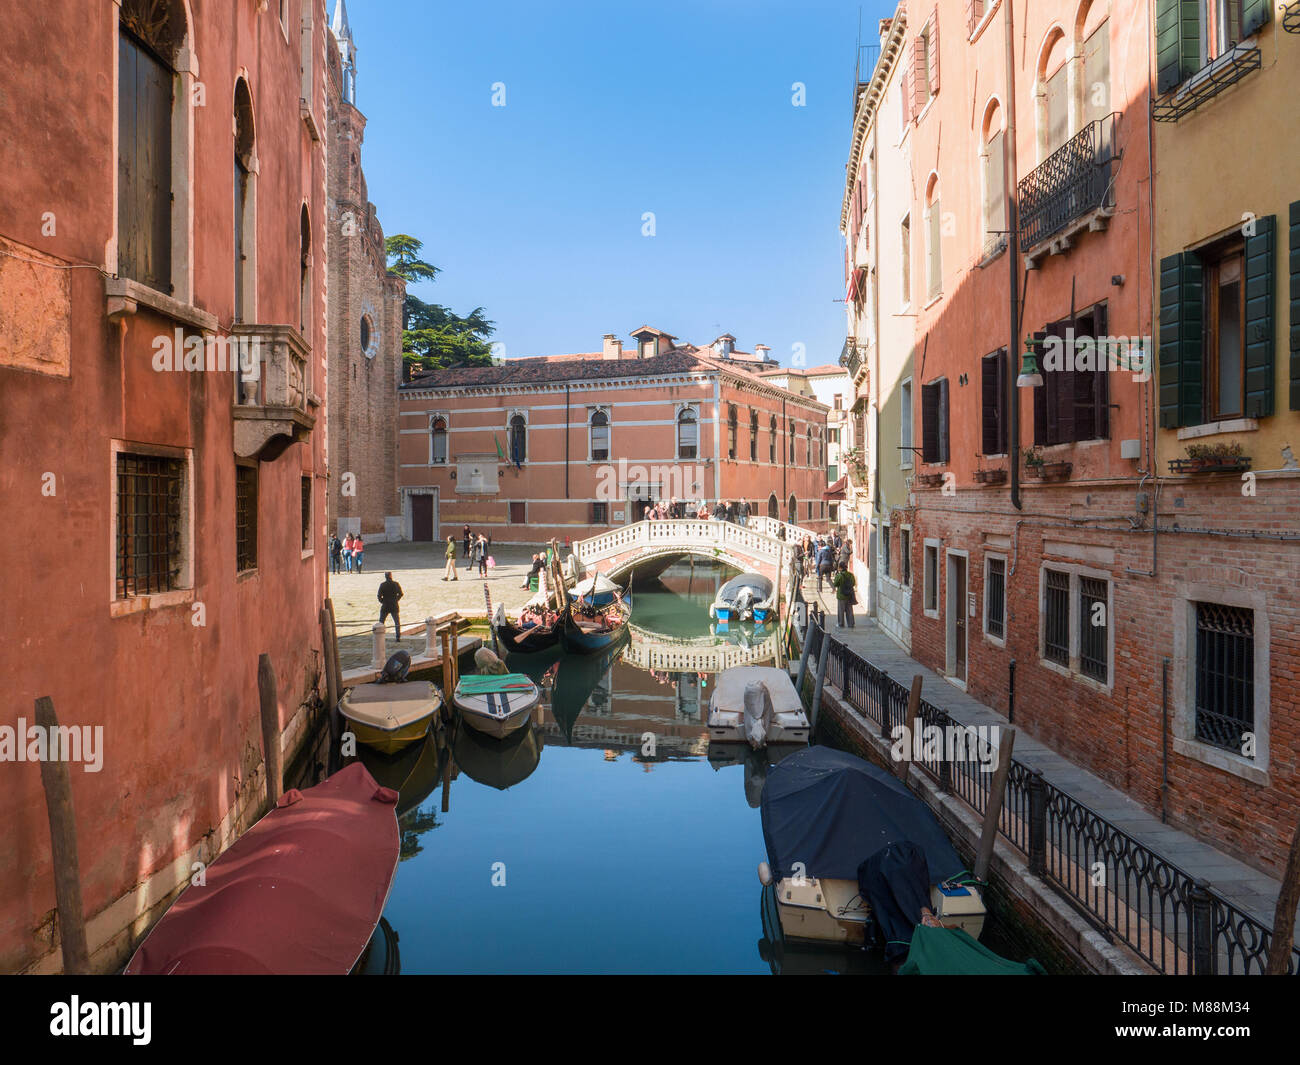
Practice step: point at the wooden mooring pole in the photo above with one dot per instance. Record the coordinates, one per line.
(822, 659)
(57, 782)
(1288, 898)
(913, 713)
(993, 811)
(270, 706)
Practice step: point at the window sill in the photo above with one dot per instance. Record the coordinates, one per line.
(932, 301)
(125, 296)
(997, 641)
(139, 604)
(245, 575)
(309, 553)
(1233, 425)
(926, 109)
(1221, 759)
(978, 31)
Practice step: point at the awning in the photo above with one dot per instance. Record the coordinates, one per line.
(838, 490)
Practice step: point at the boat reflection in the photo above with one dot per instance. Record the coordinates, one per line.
(803, 958)
(756, 763)
(497, 763)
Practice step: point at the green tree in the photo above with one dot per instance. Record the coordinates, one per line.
(433, 336)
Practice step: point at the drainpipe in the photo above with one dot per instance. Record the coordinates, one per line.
(566, 441)
(717, 438)
(1013, 260)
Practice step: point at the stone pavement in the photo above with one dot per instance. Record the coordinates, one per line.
(1253, 891)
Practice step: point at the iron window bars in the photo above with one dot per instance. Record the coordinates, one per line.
(1093, 629)
(1225, 674)
(1056, 617)
(995, 622)
(1073, 180)
(149, 491)
(245, 518)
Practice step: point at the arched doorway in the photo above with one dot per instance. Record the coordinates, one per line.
(773, 507)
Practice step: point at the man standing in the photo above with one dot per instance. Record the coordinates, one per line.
(845, 585)
(390, 592)
(451, 575)
(466, 538)
(336, 553)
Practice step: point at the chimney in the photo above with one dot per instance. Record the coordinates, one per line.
(613, 348)
(760, 351)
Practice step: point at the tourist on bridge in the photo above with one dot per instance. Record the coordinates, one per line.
(742, 514)
(825, 563)
(451, 575)
(389, 594)
(846, 596)
(336, 553)
(846, 552)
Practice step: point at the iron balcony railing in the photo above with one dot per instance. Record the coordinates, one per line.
(1175, 921)
(1072, 181)
(851, 356)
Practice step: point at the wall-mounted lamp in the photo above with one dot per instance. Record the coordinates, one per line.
(1030, 377)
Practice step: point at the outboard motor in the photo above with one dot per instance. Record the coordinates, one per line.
(396, 668)
(743, 605)
(758, 714)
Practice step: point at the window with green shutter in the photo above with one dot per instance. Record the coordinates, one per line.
(1181, 323)
(1261, 255)
(1178, 41)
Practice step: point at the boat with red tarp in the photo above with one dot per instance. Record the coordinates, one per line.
(301, 892)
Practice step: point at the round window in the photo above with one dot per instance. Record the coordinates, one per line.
(368, 344)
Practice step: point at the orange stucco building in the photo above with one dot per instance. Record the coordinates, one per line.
(570, 446)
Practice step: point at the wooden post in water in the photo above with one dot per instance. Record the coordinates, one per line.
(270, 706)
(1279, 949)
(821, 679)
(331, 687)
(455, 651)
(334, 648)
(447, 686)
(57, 782)
(913, 712)
(993, 811)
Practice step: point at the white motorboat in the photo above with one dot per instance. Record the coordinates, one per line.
(757, 705)
(737, 599)
(496, 704)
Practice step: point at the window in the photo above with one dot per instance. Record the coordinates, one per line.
(1072, 402)
(993, 386)
(934, 228)
(598, 514)
(838, 401)
(731, 430)
(792, 510)
(245, 206)
(1056, 617)
(809, 456)
(884, 551)
(518, 439)
(995, 597)
(369, 345)
(1225, 674)
(930, 579)
(771, 443)
(974, 12)
(934, 421)
(150, 497)
(1053, 97)
(1225, 342)
(905, 425)
(438, 442)
(1094, 658)
(1096, 74)
(905, 555)
(304, 274)
(518, 512)
(792, 446)
(305, 498)
(925, 64)
(753, 436)
(905, 264)
(993, 177)
(245, 518)
(599, 436)
(688, 433)
(810, 509)
(144, 157)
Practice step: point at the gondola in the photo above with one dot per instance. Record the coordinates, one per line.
(589, 631)
(512, 639)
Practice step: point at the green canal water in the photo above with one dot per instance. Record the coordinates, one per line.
(573, 846)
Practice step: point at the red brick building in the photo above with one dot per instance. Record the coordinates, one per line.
(163, 212)
(570, 446)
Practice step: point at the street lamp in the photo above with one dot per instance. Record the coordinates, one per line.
(1030, 377)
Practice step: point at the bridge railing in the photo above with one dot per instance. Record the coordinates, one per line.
(779, 529)
(688, 533)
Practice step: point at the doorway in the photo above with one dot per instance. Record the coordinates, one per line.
(422, 518)
(957, 614)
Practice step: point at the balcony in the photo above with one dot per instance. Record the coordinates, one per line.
(1291, 17)
(1072, 190)
(853, 357)
(274, 405)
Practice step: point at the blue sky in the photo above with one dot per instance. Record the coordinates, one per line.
(534, 210)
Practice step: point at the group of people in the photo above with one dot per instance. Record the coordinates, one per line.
(831, 559)
(737, 511)
(348, 553)
(476, 554)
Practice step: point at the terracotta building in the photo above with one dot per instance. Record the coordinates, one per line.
(1043, 523)
(364, 318)
(162, 384)
(569, 446)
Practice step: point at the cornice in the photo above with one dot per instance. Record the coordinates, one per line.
(868, 101)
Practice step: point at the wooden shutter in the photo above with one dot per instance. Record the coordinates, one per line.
(1295, 305)
(144, 165)
(1101, 386)
(1040, 396)
(1178, 41)
(930, 423)
(995, 220)
(974, 12)
(1261, 254)
(1062, 399)
(932, 53)
(905, 86)
(943, 419)
(920, 79)
(1254, 14)
(993, 388)
(1181, 324)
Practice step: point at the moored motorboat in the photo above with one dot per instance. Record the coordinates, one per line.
(496, 704)
(299, 893)
(757, 705)
(832, 824)
(737, 598)
(389, 717)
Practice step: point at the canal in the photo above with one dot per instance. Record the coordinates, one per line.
(608, 836)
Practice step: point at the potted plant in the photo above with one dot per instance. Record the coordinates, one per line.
(1037, 466)
(984, 476)
(1211, 458)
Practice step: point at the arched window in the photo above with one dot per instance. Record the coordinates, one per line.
(809, 456)
(1052, 92)
(518, 439)
(245, 206)
(688, 433)
(771, 446)
(731, 430)
(934, 235)
(792, 509)
(773, 507)
(438, 441)
(993, 178)
(1092, 35)
(791, 460)
(599, 432)
(753, 436)
(304, 273)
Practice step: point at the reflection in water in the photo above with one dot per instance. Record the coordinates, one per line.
(499, 764)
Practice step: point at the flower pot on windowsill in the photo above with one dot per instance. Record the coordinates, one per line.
(1230, 464)
(991, 476)
(1049, 471)
(929, 480)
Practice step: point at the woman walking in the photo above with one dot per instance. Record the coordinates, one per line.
(451, 574)
(347, 552)
(480, 555)
(845, 585)
(358, 551)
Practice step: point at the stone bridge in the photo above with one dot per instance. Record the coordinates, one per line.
(649, 547)
(653, 651)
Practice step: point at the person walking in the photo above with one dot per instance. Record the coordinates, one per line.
(480, 555)
(742, 514)
(347, 553)
(358, 551)
(825, 563)
(336, 553)
(390, 592)
(451, 574)
(466, 537)
(845, 585)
